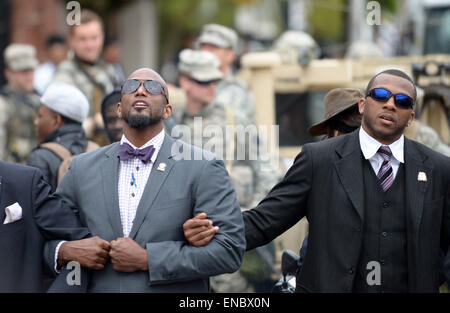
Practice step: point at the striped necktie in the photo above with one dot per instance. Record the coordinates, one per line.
(385, 174)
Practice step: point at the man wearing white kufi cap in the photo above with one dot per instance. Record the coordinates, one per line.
(58, 129)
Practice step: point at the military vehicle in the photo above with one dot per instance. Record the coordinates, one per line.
(290, 94)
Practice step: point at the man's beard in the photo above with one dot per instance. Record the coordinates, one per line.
(395, 133)
(140, 121)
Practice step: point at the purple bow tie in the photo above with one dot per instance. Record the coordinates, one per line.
(127, 152)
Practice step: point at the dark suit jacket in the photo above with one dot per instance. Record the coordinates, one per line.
(22, 242)
(325, 184)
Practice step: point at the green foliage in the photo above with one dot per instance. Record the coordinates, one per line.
(182, 18)
(327, 22)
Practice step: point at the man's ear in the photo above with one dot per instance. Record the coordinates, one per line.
(119, 109)
(59, 120)
(7, 73)
(411, 118)
(183, 81)
(167, 112)
(230, 56)
(361, 104)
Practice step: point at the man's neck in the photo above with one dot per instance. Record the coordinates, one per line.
(226, 69)
(139, 137)
(383, 141)
(194, 107)
(84, 62)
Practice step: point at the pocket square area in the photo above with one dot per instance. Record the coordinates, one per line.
(13, 213)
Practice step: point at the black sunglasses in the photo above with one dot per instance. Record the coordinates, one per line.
(152, 86)
(401, 100)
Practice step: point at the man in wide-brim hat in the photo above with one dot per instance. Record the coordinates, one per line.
(341, 113)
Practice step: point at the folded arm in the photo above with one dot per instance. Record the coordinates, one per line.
(170, 261)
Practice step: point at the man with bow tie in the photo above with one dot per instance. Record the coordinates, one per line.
(137, 193)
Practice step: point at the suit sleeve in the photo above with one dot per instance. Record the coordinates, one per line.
(36, 160)
(171, 261)
(283, 207)
(67, 225)
(54, 218)
(445, 237)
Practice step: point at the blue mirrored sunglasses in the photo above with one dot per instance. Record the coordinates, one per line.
(152, 86)
(401, 100)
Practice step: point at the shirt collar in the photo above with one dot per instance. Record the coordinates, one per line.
(156, 141)
(370, 146)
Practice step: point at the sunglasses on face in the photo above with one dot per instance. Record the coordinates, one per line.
(383, 95)
(152, 86)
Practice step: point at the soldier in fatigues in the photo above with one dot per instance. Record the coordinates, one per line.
(250, 181)
(199, 74)
(88, 72)
(234, 95)
(18, 104)
(231, 91)
(426, 135)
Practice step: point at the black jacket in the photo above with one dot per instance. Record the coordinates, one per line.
(44, 217)
(72, 137)
(325, 184)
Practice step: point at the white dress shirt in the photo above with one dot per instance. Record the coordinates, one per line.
(130, 194)
(370, 146)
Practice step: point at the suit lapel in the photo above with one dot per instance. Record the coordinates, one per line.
(417, 178)
(349, 169)
(110, 174)
(154, 183)
(2, 205)
(414, 193)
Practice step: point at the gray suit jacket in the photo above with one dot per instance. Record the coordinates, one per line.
(184, 189)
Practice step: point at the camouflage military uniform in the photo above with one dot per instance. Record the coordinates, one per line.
(233, 94)
(17, 137)
(95, 81)
(237, 101)
(426, 135)
(232, 107)
(251, 184)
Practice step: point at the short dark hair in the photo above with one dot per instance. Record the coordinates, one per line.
(55, 39)
(393, 72)
(87, 16)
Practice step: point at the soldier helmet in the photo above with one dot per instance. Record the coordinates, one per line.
(202, 66)
(218, 35)
(20, 57)
(299, 43)
(363, 49)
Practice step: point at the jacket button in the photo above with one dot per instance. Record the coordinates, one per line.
(385, 205)
(351, 271)
(384, 234)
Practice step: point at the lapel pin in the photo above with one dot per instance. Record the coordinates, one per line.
(161, 167)
(422, 176)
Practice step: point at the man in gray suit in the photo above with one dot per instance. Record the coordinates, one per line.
(136, 194)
